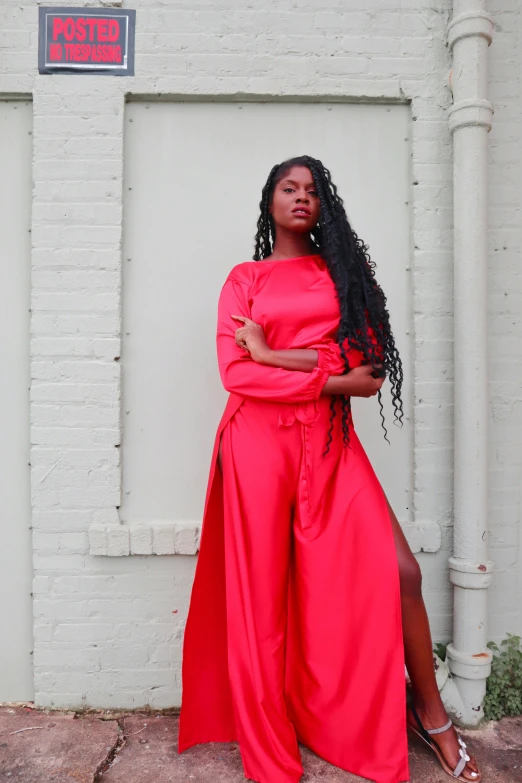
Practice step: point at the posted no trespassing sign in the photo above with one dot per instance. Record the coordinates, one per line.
(86, 40)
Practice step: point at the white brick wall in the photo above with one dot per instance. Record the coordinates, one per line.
(505, 323)
(108, 631)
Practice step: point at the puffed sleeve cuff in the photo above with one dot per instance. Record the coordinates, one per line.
(329, 358)
(322, 376)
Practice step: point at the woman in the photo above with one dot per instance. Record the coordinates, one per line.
(307, 599)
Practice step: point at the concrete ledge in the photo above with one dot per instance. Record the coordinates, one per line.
(145, 538)
(423, 536)
(182, 538)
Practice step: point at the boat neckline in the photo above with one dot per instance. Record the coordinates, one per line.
(283, 260)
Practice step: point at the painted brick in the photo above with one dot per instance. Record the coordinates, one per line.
(385, 49)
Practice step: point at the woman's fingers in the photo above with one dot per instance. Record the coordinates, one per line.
(240, 338)
(242, 318)
(244, 331)
(251, 337)
(361, 383)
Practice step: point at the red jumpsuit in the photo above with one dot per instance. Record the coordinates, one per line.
(294, 629)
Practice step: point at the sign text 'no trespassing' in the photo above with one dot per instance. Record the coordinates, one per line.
(86, 40)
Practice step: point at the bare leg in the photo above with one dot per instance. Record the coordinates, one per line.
(418, 651)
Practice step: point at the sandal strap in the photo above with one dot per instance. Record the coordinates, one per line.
(460, 766)
(446, 726)
(422, 730)
(464, 758)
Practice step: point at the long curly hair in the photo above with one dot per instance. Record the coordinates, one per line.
(362, 303)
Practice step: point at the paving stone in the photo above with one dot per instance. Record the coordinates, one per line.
(52, 747)
(60, 748)
(152, 755)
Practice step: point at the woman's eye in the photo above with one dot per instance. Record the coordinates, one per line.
(291, 190)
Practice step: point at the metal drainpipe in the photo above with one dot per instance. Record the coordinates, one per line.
(470, 33)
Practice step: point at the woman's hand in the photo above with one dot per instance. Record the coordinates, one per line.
(251, 338)
(359, 382)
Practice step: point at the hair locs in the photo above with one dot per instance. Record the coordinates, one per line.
(364, 318)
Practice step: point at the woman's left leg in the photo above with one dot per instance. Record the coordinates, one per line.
(418, 652)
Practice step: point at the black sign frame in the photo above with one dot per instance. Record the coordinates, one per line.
(94, 54)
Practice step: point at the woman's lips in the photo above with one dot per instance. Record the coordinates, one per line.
(301, 213)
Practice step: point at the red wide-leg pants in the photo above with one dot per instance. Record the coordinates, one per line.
(314, 645)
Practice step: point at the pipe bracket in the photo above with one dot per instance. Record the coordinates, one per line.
(470, 25)
(473, 576)
(469, 666)
(472, 112)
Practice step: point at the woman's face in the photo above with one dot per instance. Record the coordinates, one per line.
(295, 204)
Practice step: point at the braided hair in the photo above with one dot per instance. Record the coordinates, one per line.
(362, 302)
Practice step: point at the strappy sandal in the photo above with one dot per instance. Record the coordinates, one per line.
(425, 735)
